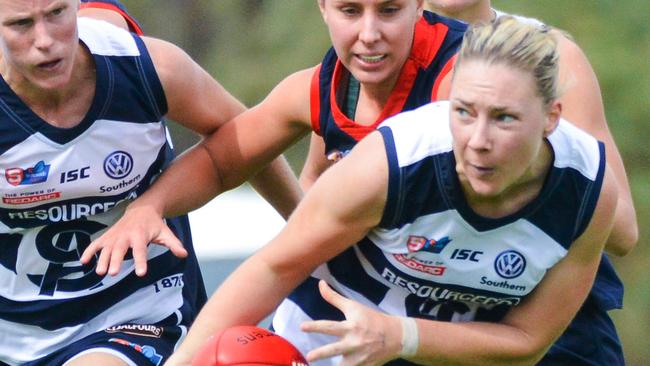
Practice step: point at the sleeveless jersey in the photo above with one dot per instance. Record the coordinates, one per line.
(436, 41)
(61, 188)
(592, 320)
(431, 256)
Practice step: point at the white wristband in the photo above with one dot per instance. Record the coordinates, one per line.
(410, 337)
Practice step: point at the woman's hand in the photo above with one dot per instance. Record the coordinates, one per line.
(138, 227)
(367, 337)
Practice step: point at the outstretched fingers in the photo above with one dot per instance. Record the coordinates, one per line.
(334, 298)
(114, 245)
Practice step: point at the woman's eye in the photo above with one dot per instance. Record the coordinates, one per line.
(389, 10)
(505, 117)
(21, 22)
(349, 10)
(462, 112)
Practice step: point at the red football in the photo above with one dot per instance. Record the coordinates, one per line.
(248, 345)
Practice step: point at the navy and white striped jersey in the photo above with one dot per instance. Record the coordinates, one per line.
(592, 320)
(432, 256)
(61, 188)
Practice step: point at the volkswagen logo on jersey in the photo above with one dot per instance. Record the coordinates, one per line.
(510, 264)
(36, 174)
(118, 164)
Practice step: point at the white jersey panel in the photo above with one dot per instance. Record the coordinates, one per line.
(434, 117)
(583, 152)
(521, 18)
(93, 155)
(106, 39)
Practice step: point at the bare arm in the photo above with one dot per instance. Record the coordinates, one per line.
(301, 246)
(224, 160)
(583, 106)
(278, 185)
(315, 164)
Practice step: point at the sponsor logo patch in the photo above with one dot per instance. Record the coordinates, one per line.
(118, 164)
(416, 243)
(435, 270)
(145, 330)
(336, 155)
(440, 293)
(23, 200)
(20, 177)
(147, 351)
(510, 264)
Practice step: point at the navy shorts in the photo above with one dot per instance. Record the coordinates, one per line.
(136, 344)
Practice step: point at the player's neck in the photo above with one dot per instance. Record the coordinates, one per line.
(481, 12)
(66, 106)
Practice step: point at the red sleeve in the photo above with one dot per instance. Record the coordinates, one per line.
(133, 25)
(445, 70)
(314, 100)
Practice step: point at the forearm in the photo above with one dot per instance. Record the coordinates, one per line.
(236, 303)
(315, 164)
(189, 183)
(278, 185)
(475, 343)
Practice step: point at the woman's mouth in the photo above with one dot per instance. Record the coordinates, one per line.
(49, 65)
(371, 59)
(481, 170)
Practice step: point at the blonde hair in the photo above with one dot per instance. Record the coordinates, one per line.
(528, 47)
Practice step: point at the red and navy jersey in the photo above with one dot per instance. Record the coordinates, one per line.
(117, 7)
(435, 43)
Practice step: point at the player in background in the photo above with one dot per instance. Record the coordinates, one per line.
(439, 232)
(387, 57)
(83, 134)
(276, 182)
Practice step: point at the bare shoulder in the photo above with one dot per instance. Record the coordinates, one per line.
(568, 48)
(291, 98)
(106, 15)
(194, 98)
(166, 56)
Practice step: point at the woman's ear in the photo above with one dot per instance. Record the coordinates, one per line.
(321, 6)
(552, 117)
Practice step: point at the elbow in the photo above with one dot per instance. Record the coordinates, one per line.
(622, 242)
(624, 234)
(527, 357)
(529, 349)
